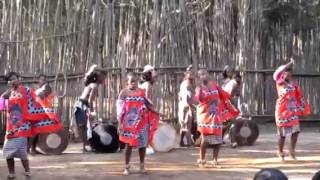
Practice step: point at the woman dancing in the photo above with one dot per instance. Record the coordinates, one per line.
(26, 116)
(227, 75)
(213, 110)
(186, 107)
(290, 105)
(136, 130)
(233, 88)
(18, 127)
(44, 91)
(147, 82)
(226, 83)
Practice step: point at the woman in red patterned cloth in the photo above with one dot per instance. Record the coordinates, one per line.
(18, 128)
(136, 128)
(26, 116)
(148, 84)
(290, 105)
(44, 92)
(213, 109)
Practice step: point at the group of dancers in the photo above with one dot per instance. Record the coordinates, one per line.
(201, 99)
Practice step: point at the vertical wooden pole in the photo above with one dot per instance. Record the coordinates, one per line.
(195, 63)
(123, 66)
(101, 91)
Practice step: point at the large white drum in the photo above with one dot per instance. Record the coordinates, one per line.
(165, 138)
(244, 131)
(53, 143)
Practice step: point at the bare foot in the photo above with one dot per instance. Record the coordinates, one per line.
(281, 156)
(142, 169)
(293, 156)
(215, 164)
(34, 152)
(126, 171)
(201, 163)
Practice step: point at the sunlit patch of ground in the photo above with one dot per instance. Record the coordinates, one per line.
(241, 163)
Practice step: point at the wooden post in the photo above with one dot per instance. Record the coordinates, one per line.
(101, 91)
(195, 63)
(123, 66)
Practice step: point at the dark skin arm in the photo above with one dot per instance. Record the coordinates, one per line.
(6, 94)
(92, 96)
(198, 93)
(235, 90)
(283, 68)
(150, 106)
(48, 90)
(189, 99)
(122, 96)
(149, 93)
(148, 99)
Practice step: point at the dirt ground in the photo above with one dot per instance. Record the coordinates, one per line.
(237, 164)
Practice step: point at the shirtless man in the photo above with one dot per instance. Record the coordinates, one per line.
(84, 106)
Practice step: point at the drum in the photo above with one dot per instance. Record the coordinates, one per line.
(53, 143)
(105, 138)
(245, 132)
(270, 173)
(165, 138)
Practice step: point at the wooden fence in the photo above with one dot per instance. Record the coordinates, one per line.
(44, 36)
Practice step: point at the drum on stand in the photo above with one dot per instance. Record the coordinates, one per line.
(244, 131)
(53, 143)
(105, 138)
(165, 138)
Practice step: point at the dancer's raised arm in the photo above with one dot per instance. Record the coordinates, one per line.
(281, 69)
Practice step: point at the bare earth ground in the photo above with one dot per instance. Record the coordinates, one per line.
(241, 163)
